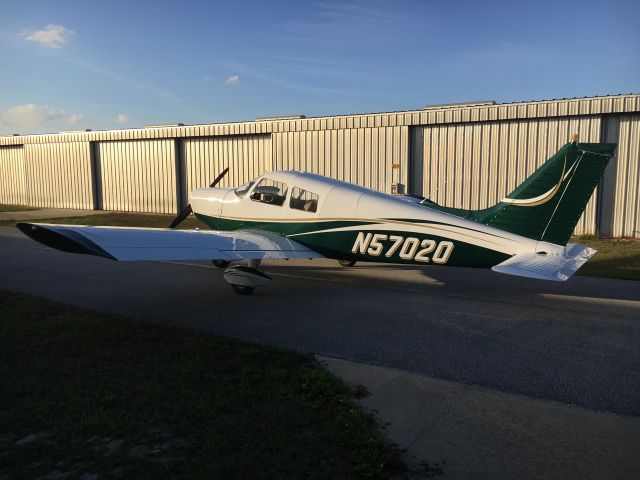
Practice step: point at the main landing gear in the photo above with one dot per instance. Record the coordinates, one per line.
(347, 263)
(244, 279)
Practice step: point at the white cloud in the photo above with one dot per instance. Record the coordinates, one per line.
(232, 80)
(51, 36)
(75, 119)
(31, 114)
(258, 74)
(122, 118)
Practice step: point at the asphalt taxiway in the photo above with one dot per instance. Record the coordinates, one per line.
(576, 342)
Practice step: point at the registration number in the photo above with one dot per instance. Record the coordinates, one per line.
(407, 248)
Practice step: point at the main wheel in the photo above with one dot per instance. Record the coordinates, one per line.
(220, 263)
(347, 263)
(242, 289)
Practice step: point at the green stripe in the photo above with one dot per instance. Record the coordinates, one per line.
(280, 228)
(338, 244)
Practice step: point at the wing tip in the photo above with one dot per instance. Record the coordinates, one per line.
(62, 238)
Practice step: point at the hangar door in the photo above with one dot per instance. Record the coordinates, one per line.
(247, 157)
(474, 165)
(137, 175)
(58, 175)
(12, 181)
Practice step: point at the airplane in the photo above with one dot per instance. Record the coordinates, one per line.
(298, 215)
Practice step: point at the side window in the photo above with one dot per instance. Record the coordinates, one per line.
(303, 200)
(269, 191)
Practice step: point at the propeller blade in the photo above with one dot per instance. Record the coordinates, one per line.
(181, 216)
(219, 177)
(188, 210)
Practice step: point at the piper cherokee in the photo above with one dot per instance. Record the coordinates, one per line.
(291, 214)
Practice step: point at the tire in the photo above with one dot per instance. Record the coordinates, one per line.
(347, 263)
(242, 289)
(220, 263)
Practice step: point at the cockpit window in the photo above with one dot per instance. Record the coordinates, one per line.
(242, 190)
(303, 200)
(269, 191)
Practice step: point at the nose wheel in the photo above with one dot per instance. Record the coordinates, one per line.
(347, 263)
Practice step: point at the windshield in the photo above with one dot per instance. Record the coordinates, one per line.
(242, 191)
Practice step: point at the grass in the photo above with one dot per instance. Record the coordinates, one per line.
(85, 393)
(615, 258)
(15, 208)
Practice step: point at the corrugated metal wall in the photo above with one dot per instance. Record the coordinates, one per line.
(627, 199)
(247, 157)
(13, 188)
(371, 157)
(138, 176)
(473, 166)
(58, 175)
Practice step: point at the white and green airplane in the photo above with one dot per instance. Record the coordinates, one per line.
(290, 214)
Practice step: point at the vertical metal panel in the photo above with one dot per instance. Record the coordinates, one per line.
(474, 165)
(13, 189)
(138, 176)
(626, 221)
(372, 157)
(58, 175)
(607, 186)
(247, 157)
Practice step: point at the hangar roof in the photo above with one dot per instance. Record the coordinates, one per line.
(441, 114)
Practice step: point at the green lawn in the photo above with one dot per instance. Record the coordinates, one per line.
(15, 208)
(90, 393)
(615, 258)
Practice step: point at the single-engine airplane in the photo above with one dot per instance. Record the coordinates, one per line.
(290, 214)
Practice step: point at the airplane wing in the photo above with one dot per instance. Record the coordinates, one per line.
(547, 267)
(129, 244)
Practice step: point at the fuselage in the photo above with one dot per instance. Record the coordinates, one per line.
(346, 221)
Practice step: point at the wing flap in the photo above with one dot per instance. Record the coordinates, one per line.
(547, 267)
(131, 244)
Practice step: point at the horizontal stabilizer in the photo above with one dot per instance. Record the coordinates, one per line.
(547, 267)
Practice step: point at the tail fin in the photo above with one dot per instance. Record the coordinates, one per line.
(548, 204)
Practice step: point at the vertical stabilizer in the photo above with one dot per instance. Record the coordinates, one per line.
(548, 204)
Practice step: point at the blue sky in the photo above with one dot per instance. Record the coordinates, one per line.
(123, 64)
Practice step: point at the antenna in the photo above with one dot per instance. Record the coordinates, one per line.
(434, 192)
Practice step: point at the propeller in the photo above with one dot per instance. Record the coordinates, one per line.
(186, 211)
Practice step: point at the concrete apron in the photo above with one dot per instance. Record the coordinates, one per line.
(474, 432)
